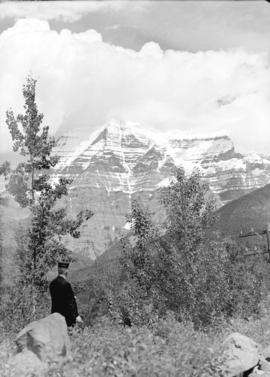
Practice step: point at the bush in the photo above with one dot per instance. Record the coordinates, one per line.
(109, 350)
(17, 310)
(166, 347)
(181, 270)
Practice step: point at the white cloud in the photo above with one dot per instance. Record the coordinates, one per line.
(67, 11)
(83, 81)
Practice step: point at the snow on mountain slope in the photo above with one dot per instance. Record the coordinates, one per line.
(119, 162)
(115, 158)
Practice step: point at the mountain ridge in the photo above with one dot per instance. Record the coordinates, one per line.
(249, 211)
(120, 162)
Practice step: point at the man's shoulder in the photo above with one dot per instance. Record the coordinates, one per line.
(59, 280)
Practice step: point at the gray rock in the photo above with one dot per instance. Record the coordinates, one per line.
(266, 352)
(26, 363)
(259, 373)
(264, 365)
(240, 354)
(47, 338)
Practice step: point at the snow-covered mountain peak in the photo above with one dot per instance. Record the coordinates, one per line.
(129, 142)
(121, 160)
(125, 134)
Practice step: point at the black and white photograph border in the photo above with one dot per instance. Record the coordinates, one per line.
(135, 188)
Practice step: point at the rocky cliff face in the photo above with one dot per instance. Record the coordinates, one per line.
(118, 163)
(229, 174)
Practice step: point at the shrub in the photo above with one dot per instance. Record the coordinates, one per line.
(16, 310)
(181, 270)
(110, 350)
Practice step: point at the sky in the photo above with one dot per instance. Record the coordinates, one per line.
(191, 68)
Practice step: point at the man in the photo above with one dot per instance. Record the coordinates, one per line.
(63, 299)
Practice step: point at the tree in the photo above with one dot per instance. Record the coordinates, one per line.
(189, 208)
(143, 230)
(34, 143)
(133, 296)
(5, 169)
(1, 257)
(32, 187)
(181, 270)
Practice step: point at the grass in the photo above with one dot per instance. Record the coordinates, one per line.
(165, 349)
(108, 349)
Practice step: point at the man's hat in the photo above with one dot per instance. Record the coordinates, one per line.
(63, 264)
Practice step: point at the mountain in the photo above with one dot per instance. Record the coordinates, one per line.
(120, 162)
(249, 211)
(109, 169)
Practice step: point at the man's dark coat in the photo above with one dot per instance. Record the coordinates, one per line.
(63, 300)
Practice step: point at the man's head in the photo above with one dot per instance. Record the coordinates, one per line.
(63, 268)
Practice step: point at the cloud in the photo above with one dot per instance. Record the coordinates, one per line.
(83, 82)
(67, 11)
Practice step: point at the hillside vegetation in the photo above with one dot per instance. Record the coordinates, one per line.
(249, 211)
(164, 348)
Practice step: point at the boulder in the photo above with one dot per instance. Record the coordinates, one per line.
(266, 352)
(26, 363)
(264, 364)
(240, 355)
(47, 338)
(259, 373)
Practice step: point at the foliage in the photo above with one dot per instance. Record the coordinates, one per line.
(189, 207)
(32, 142)
(181, 270)
(132, 299)
(136, 259)
(96, 292)
(5, 168)
(16, 308)
(32, 187)
(167, 348)
(1, 259)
